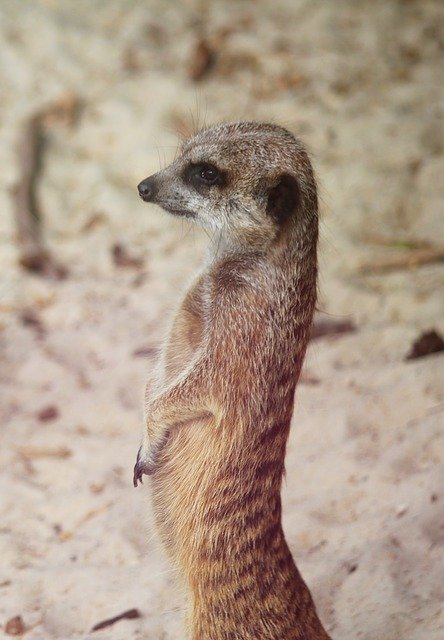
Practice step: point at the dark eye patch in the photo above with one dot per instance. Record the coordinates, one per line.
(204, 175)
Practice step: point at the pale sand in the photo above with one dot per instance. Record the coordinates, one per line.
(363, 495)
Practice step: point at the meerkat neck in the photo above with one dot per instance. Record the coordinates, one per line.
(224, 244)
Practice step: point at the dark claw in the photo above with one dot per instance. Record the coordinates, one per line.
(140, 469)
(148, 467)
(138, 474)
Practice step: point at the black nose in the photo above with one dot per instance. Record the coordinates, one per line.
(147, 189)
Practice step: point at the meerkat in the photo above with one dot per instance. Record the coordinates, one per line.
(219, 412)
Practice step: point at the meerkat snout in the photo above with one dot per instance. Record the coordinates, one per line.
(147, 189)
(243, 179)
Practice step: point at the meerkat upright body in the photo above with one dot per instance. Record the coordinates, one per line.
(218, 417)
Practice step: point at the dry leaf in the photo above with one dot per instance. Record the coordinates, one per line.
(15, 626)
(428, 342)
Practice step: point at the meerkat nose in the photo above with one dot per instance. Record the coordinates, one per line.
(147, 189)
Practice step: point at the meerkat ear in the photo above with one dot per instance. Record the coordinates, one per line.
(283, 198)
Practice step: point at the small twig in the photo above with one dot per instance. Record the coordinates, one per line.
(94, 512)
(28, 229)
(40, 452)
(33, 254)
(321, 328)
(145, 351)
(126, 615)
(408, 260)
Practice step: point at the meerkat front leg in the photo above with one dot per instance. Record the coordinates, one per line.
(186, 336)
(179, 360)
(185, 401)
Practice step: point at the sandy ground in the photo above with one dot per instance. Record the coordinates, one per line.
(361, 84)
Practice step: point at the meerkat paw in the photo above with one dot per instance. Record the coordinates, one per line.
(142, 467)
(148, 459)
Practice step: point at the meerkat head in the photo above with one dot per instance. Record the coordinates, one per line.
(245, 179)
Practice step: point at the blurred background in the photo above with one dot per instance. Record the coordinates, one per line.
(95, 96)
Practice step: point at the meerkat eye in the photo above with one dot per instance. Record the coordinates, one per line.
(204, 175)
(208, 173)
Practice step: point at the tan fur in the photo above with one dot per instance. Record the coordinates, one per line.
(219, 414)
